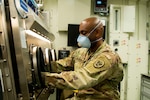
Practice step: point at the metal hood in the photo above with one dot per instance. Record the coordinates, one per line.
(36, 24)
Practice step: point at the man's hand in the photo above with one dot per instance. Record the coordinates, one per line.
(49, 79)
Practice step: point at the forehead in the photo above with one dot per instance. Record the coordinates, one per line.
(84, 26)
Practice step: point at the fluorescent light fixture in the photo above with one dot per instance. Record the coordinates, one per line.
(37, 35)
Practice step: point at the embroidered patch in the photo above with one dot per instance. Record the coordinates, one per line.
(99, 64)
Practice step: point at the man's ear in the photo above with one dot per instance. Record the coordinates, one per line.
(101, 31)
(98, 31)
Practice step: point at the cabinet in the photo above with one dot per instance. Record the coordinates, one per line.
(145, 87)
(72, 12)
(120, 20)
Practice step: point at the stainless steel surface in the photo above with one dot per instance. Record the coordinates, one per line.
(34, 23)
(53, 53)
(16, 58)
(38, 65)
(9, 92)
(48, 59)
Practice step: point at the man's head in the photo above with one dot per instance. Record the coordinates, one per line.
(91, 31)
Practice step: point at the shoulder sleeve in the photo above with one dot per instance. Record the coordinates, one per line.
(99, 64)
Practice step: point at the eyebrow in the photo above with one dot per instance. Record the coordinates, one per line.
(83, 32)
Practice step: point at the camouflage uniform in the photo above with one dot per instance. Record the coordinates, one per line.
(95, 77)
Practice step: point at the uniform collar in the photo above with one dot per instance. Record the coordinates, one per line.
(100, 48)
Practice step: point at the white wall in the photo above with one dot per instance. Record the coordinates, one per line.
(61, 36)
(60, 41)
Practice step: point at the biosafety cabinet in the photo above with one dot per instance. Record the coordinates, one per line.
(25, 51)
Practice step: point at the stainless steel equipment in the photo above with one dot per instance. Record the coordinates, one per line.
(25, 51)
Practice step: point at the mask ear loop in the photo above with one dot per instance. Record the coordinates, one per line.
(94, 28)
(97, 40)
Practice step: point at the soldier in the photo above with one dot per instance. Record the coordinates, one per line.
(97, 69)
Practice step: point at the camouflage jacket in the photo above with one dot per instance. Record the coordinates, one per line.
(96, 76)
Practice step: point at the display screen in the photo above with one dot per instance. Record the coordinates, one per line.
(73, 33)
(101, 3)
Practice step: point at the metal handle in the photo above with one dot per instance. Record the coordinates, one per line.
(1, 56)
(1, 78)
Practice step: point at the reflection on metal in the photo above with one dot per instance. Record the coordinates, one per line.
(35, 66)
(35, 23)
(38, 65)
(44, 38)
(53, 53)
(48, 59)
(1, 80)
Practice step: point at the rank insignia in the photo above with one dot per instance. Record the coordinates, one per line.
(99, 64)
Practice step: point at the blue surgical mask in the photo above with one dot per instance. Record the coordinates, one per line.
(84, 41)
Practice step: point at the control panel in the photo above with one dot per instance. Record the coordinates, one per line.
(100, 6)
